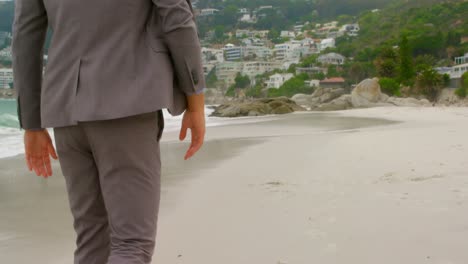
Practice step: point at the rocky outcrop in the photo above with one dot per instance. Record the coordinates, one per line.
(214, 96)
(341, 103)
(319, 97)
(367, 94)
(280, 105)
(408, 102)
(448, 97)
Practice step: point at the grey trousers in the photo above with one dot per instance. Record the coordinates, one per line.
(112, 170)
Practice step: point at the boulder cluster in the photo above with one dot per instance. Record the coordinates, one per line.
(366, 94)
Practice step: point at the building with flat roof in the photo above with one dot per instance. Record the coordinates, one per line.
(227, 71)
(6, 78)
(233, 53)
(285, 50)
(254, 68)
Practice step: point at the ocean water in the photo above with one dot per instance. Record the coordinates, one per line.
(11, 137)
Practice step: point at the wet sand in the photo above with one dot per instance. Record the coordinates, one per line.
(349, 187)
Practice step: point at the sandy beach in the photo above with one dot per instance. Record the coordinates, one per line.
(367, 186)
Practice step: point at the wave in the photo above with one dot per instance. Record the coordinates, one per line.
(9, 120)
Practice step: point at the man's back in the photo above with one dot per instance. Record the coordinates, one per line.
(114, 64)
(107, 59)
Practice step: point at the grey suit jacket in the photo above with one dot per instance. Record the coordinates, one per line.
(107, 59)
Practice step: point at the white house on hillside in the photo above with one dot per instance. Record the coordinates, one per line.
(277, 80)
(458, 71)
(247, 18)
(332, 58)
(351, 29)
(462, 59)
(326, 43)
(287, 34)
(212, 55)
(283, 51)
(259, 52)
(243, 11)
(208, 12)
(254, 68)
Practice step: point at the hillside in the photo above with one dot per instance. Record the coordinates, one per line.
(325, 8)
(431, 26)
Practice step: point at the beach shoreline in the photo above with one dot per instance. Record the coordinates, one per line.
(379, 185)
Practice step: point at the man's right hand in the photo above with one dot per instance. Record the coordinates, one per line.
(194, 119)
(196, 122)
(38, 149)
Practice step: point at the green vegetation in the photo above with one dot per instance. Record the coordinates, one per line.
(241, 82)
(292, 86)
(255, 92)
(432, 27)
(211, 79)
(284, 14)
(429, 83)
(390, 86)
(406, 73)
(462, 91)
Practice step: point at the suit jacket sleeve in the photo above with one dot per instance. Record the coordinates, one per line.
(29, 31)
(181, 38)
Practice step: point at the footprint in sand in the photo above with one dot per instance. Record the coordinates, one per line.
(420, 179)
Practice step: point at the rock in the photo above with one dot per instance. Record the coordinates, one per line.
(408, 102)
(214, 96)
(367, 93)
(341, 103)
(302, 99)
(384, 98)
(448, 97)
(330, 94)
(281, 110)
(320, 96)
(281, 105)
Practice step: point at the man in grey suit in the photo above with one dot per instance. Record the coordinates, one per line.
(112, 66)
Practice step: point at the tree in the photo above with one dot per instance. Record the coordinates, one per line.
(227, 16)
(390, 86)
(255, 92)
(387, 63)
(292, 68)
(273, 34)
(309, 60)
(333, 71)
(241, 81)
(406, 61)
(211, 78)
(429, 82)
(219, 33)
(357, 71)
